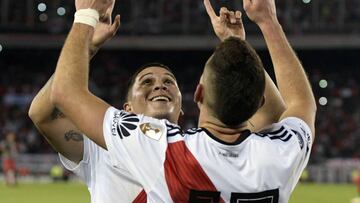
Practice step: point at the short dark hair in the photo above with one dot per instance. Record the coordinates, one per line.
(236, 79)
(132, 79)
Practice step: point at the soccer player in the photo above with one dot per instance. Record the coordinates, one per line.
(9, 151)
(111, 184)
(221, 160)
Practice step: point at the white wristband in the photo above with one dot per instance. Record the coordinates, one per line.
(87, 16)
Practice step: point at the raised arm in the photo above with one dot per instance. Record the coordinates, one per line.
(57, 129)
(272, 109)
(70, 91)
(290, 75)
(228, 24)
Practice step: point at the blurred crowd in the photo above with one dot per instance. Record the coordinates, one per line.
(338, 123)
(23, 74)
(180, 16)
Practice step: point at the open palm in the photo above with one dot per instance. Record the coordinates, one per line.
(105, 31)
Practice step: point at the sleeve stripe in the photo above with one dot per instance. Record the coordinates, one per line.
(173, 130)
(277, 131)
(284, 136)
(173, 134)
(287, 138)
(278, 136)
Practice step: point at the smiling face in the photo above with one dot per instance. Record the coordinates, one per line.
(155, 93)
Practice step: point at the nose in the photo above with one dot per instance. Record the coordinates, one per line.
(160, 86)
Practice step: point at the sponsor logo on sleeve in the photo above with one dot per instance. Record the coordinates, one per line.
(151, 130)
(123, 123)
(114, 122)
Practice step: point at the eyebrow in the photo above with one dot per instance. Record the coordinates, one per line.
(169, 74)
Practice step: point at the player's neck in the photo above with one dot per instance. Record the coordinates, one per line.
(220, 130)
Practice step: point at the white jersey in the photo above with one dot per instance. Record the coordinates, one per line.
(195, 166)
(105, 183)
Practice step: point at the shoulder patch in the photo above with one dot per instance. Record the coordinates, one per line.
(151, 130)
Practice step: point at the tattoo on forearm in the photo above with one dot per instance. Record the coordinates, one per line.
(73, 135)
(57, 114)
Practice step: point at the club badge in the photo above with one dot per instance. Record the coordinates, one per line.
(152, 131)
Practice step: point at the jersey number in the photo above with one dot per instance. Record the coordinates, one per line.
(269, 196)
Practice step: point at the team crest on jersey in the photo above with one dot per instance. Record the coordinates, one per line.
(151, 130)
(123, 123)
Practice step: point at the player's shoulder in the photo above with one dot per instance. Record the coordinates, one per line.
(117, 115)
(285, 130)
(284, 127)
(125, 124)
(274, 131)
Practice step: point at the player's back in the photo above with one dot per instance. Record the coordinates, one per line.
(196, 166)
(258, 166)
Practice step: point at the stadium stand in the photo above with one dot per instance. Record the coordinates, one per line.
(159, 17)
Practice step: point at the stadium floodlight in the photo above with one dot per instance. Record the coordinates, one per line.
(43, 17)
(323, 83)
(61, 11)
(323, 101)
(41, 7)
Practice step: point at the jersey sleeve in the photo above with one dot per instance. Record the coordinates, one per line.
(136, 143)
(302, 140)
(302, 132)
(83, 168)
(290, 146)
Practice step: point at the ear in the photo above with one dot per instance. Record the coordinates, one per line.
(127, 107)
(181, 112)
(199, 94)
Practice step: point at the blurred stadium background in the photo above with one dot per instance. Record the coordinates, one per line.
(325, 34)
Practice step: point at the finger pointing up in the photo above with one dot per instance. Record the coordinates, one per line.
(209, 9)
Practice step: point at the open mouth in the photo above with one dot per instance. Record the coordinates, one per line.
(160, 98)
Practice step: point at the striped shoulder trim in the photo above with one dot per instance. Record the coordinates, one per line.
(192, 131)
(279, 134)
(173, 130)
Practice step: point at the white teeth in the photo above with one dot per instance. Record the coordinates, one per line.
(160, 98)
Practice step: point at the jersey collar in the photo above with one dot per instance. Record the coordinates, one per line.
(244, 134)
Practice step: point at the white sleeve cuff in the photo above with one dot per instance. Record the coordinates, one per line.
(73, 166)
